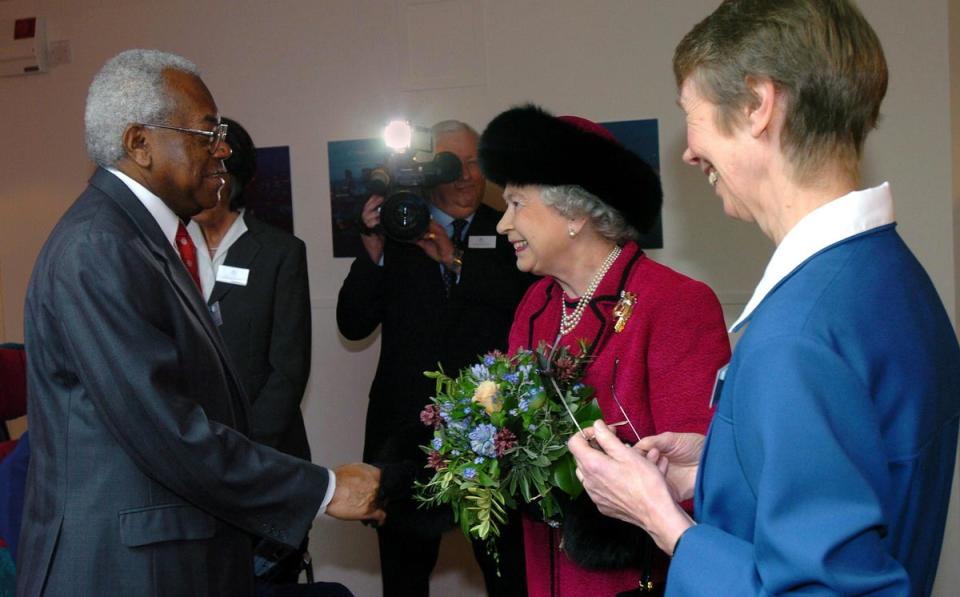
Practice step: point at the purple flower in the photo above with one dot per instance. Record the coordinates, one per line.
(489, 360)
(430, 416)
(512, 378)
(504, 440)
(479, 460)
(436, 461)
(437, 443)
(469, 473)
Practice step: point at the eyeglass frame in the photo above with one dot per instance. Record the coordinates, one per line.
(217, 135)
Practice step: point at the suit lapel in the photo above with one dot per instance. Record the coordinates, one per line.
(153, 237)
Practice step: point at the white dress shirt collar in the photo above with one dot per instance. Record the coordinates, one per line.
(167, 220)
(208, 265)
(446, 220)
(829, 224)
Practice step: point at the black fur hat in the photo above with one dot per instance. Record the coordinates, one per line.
(528, 146)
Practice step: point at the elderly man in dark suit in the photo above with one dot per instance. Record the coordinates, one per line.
(142, 479)
(445, 299)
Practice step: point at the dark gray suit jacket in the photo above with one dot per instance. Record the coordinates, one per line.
(142, 480)
(266, 327)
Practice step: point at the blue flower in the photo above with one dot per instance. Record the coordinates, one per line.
(524, 404)
(481, 440)
(458, 425)
(479, 372)
(531, 428)
(478, 460)
(469, 473)
(489, 360)
(437, 443)
(454, 452)
(466, 410)
(525, 369)
(513, 412)
(511, 377)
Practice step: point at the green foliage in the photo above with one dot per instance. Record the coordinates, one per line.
(500, 436)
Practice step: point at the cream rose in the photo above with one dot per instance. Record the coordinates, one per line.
(486, 396)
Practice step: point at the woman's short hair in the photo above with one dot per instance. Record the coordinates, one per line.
(242, 163)
(130, 88)
(821, 54)
(574, 201)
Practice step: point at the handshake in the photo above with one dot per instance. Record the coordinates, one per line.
(356, 494)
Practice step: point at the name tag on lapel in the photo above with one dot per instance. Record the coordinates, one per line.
(718, 385)
(482, 242)
(233, 275)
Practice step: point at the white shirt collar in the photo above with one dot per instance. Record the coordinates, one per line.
(168, 221)
(208, 266)
(829, 224)
(446, 220)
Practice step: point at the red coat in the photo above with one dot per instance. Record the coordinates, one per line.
(669, 352)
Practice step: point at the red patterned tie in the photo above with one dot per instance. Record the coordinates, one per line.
(188, 253)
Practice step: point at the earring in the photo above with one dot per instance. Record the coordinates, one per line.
(571, 231)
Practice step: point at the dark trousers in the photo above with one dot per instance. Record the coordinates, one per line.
(407, 560)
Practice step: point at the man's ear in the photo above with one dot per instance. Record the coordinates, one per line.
(760, 111)
(136, 143)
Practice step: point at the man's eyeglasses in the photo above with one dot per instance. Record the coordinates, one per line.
(216, 136)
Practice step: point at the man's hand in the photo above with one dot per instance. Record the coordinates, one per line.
(370, 216)
(624, 484)
(355, 497)
(436, 244)
(677, 456)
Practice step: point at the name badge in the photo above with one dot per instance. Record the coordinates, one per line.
(482, 242)
(718, 385)
(233, 275)
(215, 313)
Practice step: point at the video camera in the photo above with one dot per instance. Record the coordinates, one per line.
(411, 169)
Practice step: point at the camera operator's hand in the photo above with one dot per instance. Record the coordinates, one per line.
(436, 244)
(370, 217)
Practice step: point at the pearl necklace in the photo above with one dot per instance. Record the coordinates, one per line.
(569, 322)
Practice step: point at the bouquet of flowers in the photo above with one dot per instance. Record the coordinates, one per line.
(500, 433)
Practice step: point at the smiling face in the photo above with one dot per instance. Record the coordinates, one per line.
(182, 171)
(463, 196)
(537, 231)
(723, 157)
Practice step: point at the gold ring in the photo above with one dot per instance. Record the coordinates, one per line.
(429, 236)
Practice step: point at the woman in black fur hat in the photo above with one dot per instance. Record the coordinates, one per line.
(576, 200)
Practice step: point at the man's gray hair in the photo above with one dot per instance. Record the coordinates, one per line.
(574, 201)
(128, 89)
(445, 127)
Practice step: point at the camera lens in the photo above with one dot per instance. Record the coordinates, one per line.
(405, 216)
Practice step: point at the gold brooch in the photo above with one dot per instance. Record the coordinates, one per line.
(623, 309)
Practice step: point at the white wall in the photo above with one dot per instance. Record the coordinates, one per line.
(301, 73)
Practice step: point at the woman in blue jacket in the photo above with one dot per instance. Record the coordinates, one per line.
(828, 465)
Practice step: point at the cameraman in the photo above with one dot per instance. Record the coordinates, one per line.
(441, 300)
